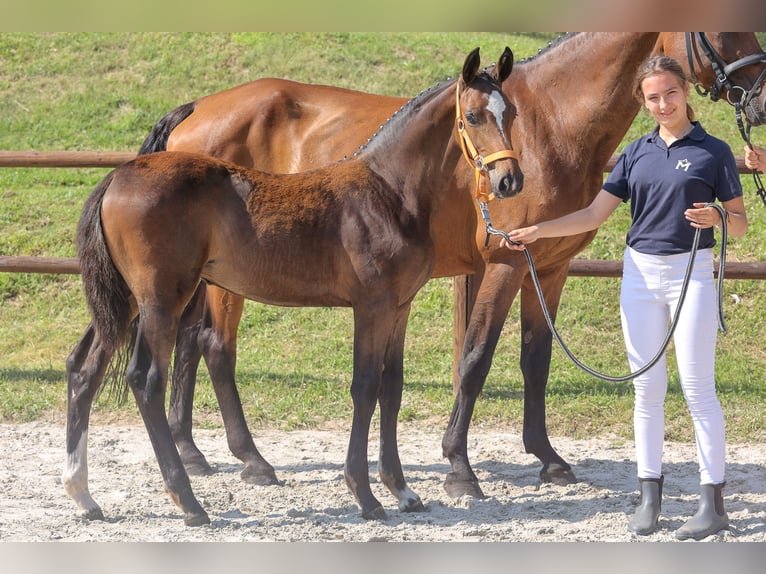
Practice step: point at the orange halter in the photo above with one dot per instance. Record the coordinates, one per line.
(474, 158)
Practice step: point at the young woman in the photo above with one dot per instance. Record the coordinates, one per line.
(668, 176)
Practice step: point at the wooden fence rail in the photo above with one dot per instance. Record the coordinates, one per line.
(20, 264)
(115, 158)
(577, 267)
(64, 158)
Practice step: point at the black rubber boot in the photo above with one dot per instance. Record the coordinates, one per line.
(647, 514)
(711, 516)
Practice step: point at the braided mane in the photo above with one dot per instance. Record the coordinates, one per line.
(411, 105)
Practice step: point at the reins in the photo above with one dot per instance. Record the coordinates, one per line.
(722, 71)
(478, 162)
(484, 208)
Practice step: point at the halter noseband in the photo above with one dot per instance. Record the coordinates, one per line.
(478, 162)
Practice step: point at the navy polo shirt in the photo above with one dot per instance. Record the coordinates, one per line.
(662, 182)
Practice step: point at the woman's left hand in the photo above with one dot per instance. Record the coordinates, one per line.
(702, 217)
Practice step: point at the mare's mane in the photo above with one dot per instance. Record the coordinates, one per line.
(402, 114)
(551, 45)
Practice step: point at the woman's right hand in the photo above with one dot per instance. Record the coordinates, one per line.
(523, 236)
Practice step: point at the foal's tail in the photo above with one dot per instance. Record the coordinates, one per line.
(157, 140)
(106, 292)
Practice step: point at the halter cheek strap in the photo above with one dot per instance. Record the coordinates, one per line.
(478, 162)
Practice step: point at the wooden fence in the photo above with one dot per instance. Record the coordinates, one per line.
(21, 264)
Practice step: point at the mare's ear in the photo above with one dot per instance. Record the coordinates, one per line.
(504, 65)
(471, 66)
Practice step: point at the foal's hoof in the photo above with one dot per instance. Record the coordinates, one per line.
(457, 487)
(93, 514)
(198, 519)
(413, 506)
(558, 475)
(376, 513)
(259, 477)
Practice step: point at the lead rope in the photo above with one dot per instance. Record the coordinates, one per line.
(484, 208)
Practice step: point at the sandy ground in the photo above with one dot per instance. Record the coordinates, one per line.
(313, 503)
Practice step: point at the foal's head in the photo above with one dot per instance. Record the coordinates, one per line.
(484, 120)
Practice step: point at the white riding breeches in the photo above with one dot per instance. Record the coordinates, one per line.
(651, 287)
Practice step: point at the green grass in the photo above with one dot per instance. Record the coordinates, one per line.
(105, 91)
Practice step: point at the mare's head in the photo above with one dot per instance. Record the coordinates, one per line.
(484, 120)
(725, 65)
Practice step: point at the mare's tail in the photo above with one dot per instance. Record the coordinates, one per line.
(106, 292)
(157, 140)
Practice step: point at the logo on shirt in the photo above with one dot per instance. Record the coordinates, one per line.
(683, 164)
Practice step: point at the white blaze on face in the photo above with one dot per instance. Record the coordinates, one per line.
(497, 108)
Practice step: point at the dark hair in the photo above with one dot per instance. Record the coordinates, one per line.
(657, 65)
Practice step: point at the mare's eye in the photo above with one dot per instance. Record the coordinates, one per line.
(471, 118)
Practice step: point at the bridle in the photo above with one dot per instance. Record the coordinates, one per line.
(478, 162)
(722, 72)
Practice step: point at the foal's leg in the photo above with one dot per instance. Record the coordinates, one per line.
(218, 340)
(147, 378)
(85, 368)
(371, 332)
(535, 365)
(495, 296)
(390, 399)
(187, 358)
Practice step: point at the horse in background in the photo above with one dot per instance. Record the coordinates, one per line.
(576, 105)
(353, 234)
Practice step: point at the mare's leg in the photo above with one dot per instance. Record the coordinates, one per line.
(390, 400)
(218, 341)
(464, 289)
(535, 365)
(147, 377)
(85, 368)
(495, 295)
(187, 358)
(373, 325)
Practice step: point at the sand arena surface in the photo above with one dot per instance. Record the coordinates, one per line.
(313, 503)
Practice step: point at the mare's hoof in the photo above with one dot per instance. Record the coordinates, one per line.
(198, 467)
(93, 514)
(376, 513)
(558, 475)
(259, 477)
(458, 487)
(199, 519)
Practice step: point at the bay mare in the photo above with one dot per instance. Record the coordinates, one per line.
(356, 234)
(576, 104)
